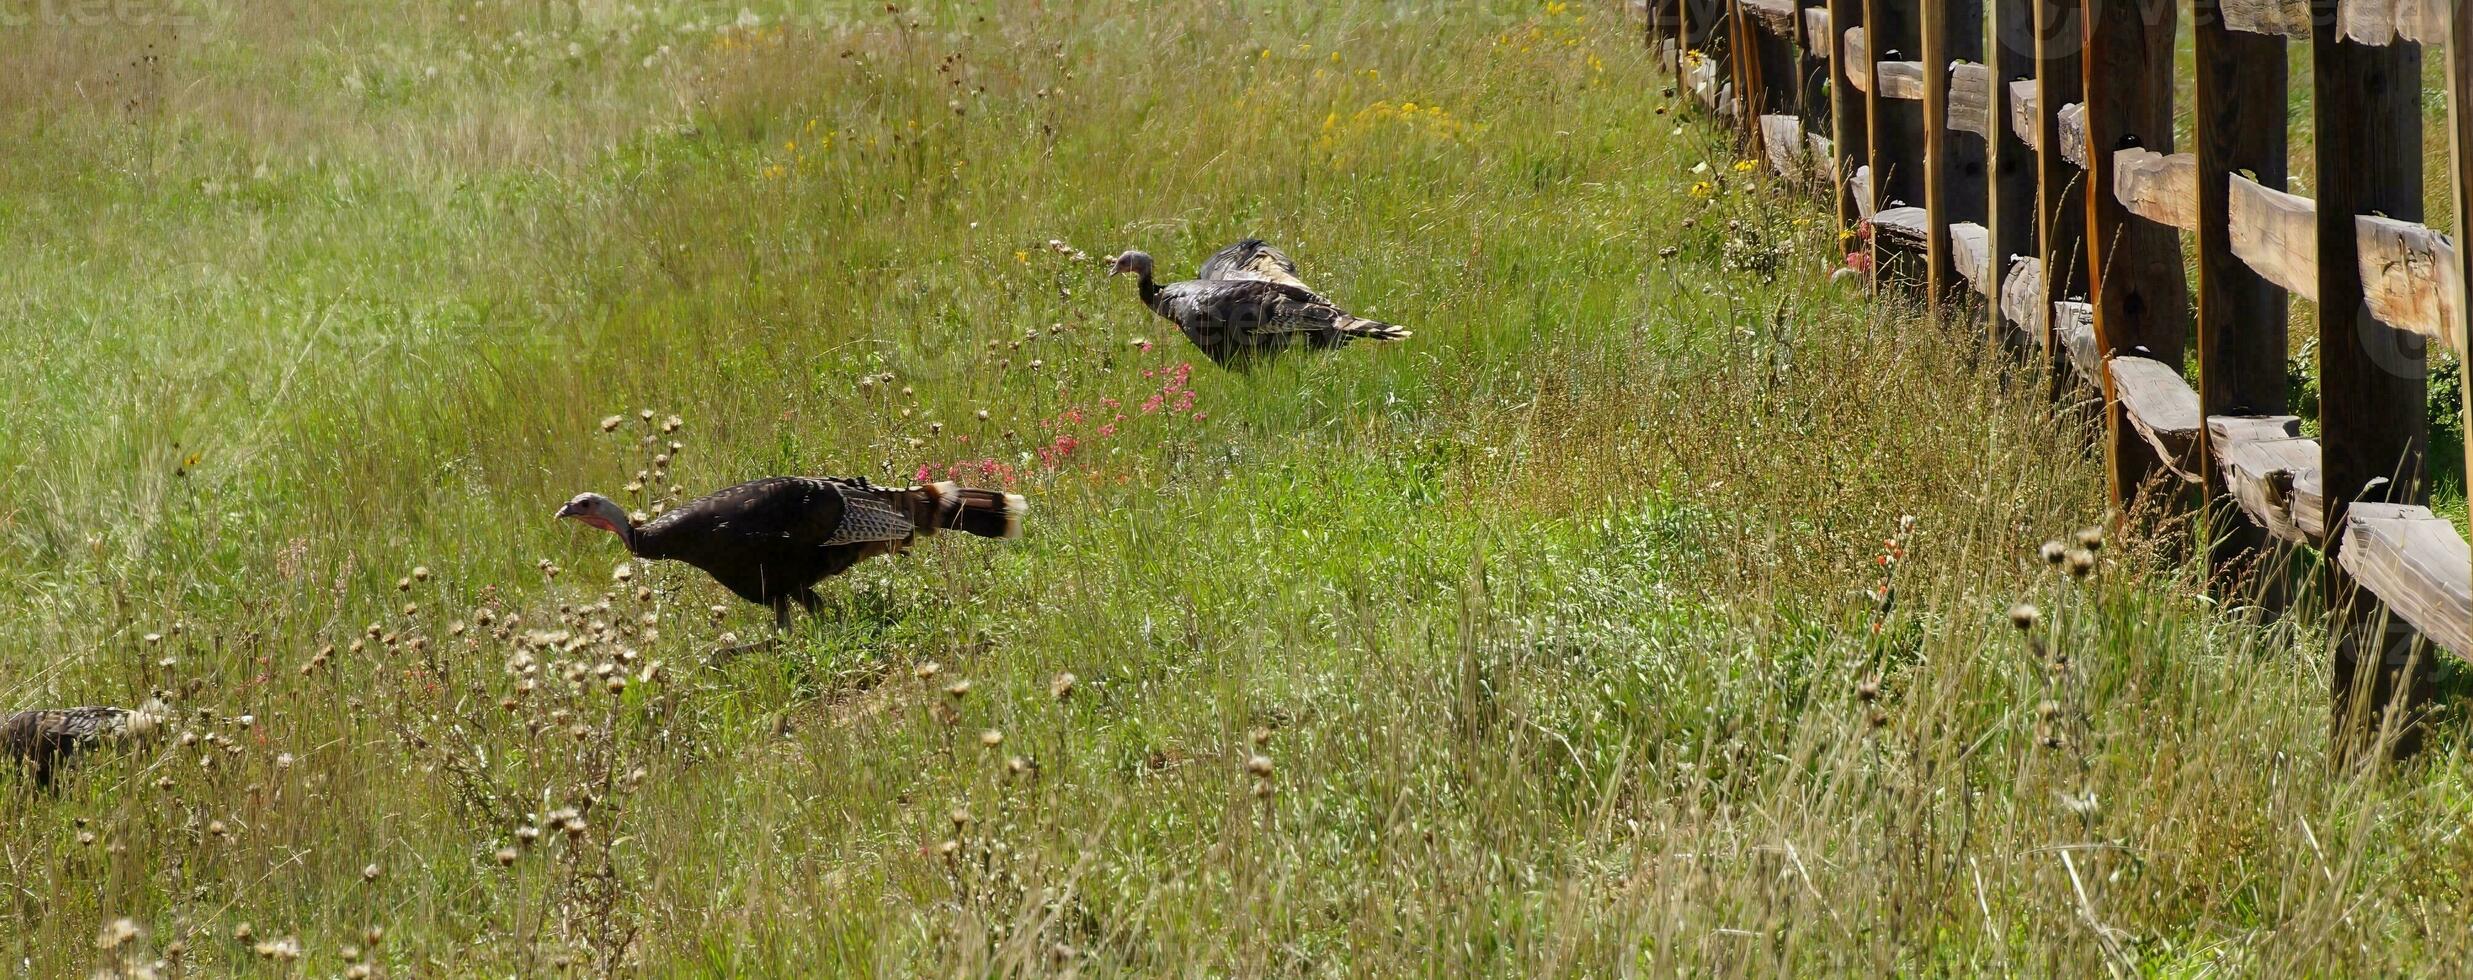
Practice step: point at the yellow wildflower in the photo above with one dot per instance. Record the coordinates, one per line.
(1744, 166)
(1702, 188)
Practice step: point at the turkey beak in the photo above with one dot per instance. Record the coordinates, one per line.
(567, 510)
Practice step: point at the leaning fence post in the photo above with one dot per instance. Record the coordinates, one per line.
(2059, 186)
(1893, 33)
(1850, 127)
(2367, 106)
(1952, 30)
(2238, 125)
(2008, 159)
(2134, 277)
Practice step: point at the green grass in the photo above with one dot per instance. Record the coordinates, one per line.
(1557, 625)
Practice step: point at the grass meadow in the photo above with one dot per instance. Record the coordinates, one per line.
(1649, 612)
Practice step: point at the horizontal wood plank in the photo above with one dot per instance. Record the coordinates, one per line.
(2417, 564)
(2159, 188)
(1816, 29)
(2287, 18)
(2022, 103)
(1970, 91)
(2393, 21)
(1899, 79)
(1970, 250)
(2022, 295)
(2164, 410)
(2410, 277)
(1700, 77)
(2264, 463)
(1781, 137)
(1901, 225)
(1858, 60)
(2277, 234)
(2073, 125)
(2073, 327)
(1774, 16)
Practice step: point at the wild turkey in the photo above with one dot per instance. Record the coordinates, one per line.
(1249, 304)
(1252, 258)
(47, 739)
(771, 540)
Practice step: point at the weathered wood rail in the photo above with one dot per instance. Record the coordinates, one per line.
(2014, 160)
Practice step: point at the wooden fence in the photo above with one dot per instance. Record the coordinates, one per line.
(2015, 160)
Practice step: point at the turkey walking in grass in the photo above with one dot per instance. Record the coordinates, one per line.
(772, 540)
(1248, 304)
(45, 740)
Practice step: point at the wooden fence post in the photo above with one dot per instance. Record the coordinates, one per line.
(2460, 183)
(2009, 160)
(2239, 124)
(1952, 31)
(1893, 33)
(2134, 276)
(2059, 186)
(1850, 127)
(2367, 105)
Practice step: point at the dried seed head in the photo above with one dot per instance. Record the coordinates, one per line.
(242, 932)
(949, 848)
(1869, 689)
(2053, 552)
(420, 573)
(958, 689)
(507, 856)
(2081, 563)
(371, 873)
(1259, 736)
(1259, 765)
(120, 932)
(611, 424)
(960, 818)
(991, 738)
(2047, 709)
(403, 584)
(2092, 538)
(926, 669)
(2025, 616)
(1062, 687)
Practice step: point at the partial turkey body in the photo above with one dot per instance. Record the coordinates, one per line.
(1250, 303)
(771, 540)
(49, 738)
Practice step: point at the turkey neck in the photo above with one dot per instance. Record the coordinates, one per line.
(1150, 290)
(633, 538)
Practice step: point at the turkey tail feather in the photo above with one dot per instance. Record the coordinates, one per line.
(991, 513)
(1363, 329)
